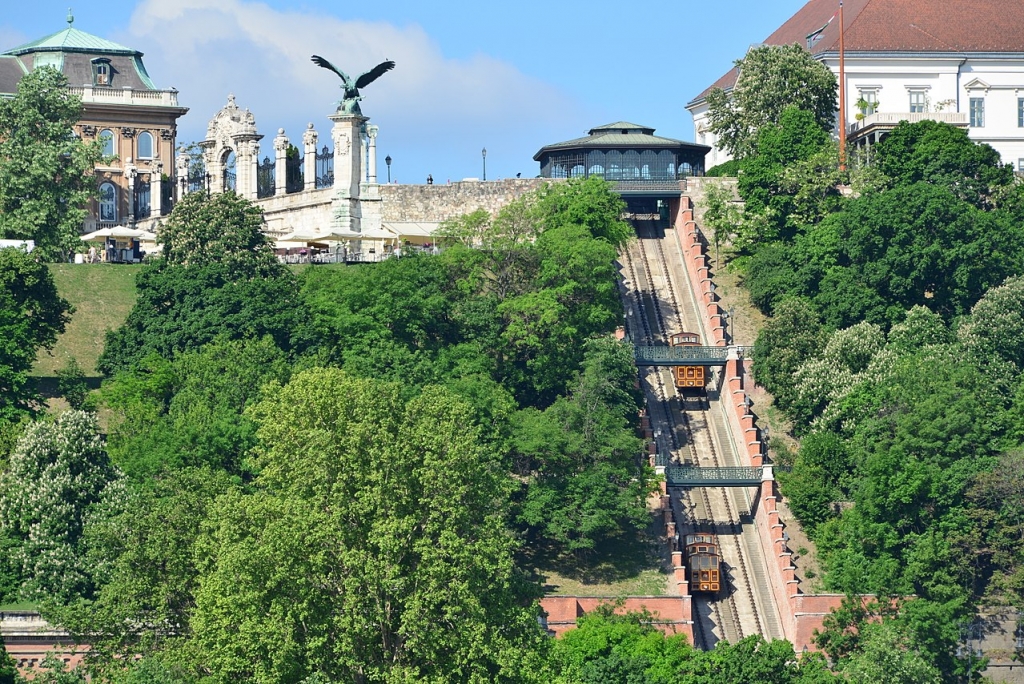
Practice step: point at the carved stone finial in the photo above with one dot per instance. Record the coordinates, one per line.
(231, 100)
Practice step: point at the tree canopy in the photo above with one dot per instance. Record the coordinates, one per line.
(32, 315)
(46, 172)
(771, 78)
(218, 278)
(370, 550)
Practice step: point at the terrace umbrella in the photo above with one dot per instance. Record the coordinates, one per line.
(119, 232)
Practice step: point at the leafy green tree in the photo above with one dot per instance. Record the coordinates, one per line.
(182, 308)
(154, 671)
(587, 485)
(222, 229)
(218, 278)
(586, 202)
(917, 435)
(46, 172)
(996, 323)
(722, 214)
(820, 477)
(8, 667)
(913, 245)
(372, 548)
(729, 169)
(146, 568)
(785, 342)
(58, 473)
(32, 315)
(469, 230)
(997, 499)
(574, 297)
(626, 649)
(771, 78)
(53, 670)
(829, 376)
(943, 155)
(71, 384)
(921, 328)
(611, 648)
(189, 412)
(792, 153)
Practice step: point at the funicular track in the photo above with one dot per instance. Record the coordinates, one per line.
(690, 431)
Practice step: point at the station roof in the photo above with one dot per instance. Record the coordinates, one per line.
(620, 134)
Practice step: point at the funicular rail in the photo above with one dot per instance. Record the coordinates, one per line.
(693, 435)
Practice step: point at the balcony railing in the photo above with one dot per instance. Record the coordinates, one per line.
(893, 119)
(128, 96)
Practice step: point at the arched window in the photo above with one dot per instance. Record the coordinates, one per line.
(613, 164)
(145, 145)
(108, 202)
(630, 164)
(107, 138)
(229, 171)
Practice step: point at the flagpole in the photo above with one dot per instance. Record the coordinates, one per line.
(842, 93)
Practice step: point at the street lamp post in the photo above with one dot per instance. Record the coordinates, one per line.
(483, 154)
(969, 634)
(387, 160)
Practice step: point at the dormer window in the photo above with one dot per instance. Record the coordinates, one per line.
(101, 72)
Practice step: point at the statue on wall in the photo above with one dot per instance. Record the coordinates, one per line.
(350, 102)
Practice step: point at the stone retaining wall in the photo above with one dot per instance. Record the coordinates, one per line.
(440, 202)
(801, 614)
(671, 614)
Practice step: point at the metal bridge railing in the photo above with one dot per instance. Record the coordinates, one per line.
(680, 356)
(694, 476)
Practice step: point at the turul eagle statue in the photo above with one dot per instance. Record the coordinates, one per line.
(350, 102)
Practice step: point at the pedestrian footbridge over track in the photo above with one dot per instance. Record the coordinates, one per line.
(680, 356)
(693, 476)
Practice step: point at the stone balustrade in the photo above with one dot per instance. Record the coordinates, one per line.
(125, 96)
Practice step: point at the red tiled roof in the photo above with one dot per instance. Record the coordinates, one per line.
(903, 26)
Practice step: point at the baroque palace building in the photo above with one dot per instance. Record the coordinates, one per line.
(957, 61)
(135, 120)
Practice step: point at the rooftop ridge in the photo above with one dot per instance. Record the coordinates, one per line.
(72, 40)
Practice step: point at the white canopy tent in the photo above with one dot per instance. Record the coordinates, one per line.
(122, 232)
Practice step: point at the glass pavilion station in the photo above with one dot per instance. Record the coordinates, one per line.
(646, 169)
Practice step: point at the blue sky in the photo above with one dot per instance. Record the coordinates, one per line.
(509, 76)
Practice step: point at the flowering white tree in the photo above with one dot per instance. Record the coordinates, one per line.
(822, 380)
(58, 473)
(771, 78)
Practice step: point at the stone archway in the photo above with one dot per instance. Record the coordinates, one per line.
(231, 134)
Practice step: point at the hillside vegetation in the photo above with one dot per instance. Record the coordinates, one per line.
(893, 346)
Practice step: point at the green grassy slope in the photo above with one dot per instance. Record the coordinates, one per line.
(102, 295)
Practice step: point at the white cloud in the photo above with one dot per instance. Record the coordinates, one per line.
(429, 104)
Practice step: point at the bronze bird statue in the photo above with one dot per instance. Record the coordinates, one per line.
(350, 101)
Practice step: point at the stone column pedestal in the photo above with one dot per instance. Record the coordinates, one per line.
(347, 137)
(309, 138)
(280, 163)
(181, 165)
(156, 198)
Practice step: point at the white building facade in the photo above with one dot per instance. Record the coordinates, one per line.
(957, 61)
